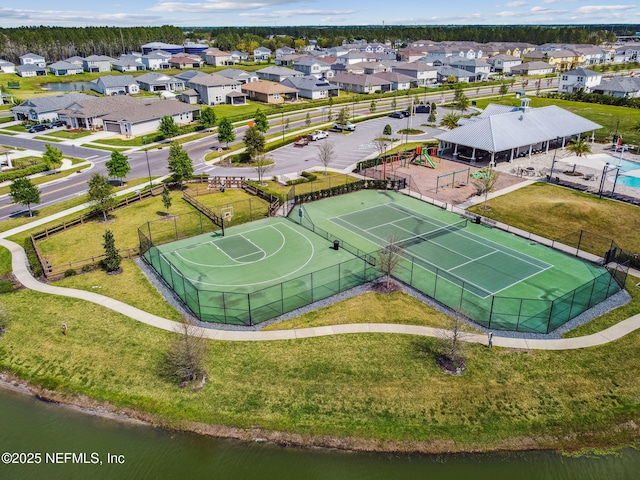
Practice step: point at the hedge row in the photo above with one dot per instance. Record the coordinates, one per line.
(12, 175)
(32, 257)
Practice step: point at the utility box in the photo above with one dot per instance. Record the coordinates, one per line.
(336, 244)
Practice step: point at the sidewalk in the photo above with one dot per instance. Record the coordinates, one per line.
(23, 275)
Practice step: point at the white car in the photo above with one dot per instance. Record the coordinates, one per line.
(318, 135)
(347, 126)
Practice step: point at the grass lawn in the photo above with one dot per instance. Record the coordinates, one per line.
(554, 212)
(321, 183)
(48, 139)
(612, 118)
(101, 147)
(70, 134)
(386, 388)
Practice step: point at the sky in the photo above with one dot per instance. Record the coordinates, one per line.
(81, 13)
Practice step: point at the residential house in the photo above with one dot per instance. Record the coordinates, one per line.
(7, 67)
(352, 57)
(445, 74)
(156, 60)
(562, 59)
(313, 66)
(336, 52)
(97, 63)
(591, 54)
(87, 113)
(41, 109)
(261, 54)
(31, 71)
(421, 73)
(477, 67)
(237, 56)
(533, 68)
(184, 61)
(269, 92)
(503, 63)
(621, 87)
(75, 60)
(217, 58)
(410, 54)
(64, 68)
(241, 76)
(282, 51)
(115, 85)
(369, 68)
(312, 87)
(189, 96)
(277, 74)
(147, 115)
(337, 68)
(33, 59)
(627, 53)
(129, 65)
(215, 89)
(186, 76)
(288, 60)
(361, 83)
(580, 79)
(159, 82)
(398, 81)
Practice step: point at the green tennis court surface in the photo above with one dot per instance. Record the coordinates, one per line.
(495, 278)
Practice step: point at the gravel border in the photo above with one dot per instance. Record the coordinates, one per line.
(614, 301)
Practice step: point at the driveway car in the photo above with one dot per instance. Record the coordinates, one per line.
(318, 135)
(347, 126)
(405, 113)
(56, 123)
(396, 115)
(37, 128)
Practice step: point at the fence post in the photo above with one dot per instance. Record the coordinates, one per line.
(579, 243)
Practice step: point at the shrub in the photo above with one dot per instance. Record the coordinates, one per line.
(311, 177)
(297, 181)
(88, 267)
(32, 257)
(69, 272)
(6, 287)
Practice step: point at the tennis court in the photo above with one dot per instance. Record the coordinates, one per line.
(495, 278)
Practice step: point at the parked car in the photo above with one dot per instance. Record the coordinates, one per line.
(396, 115)
(56, 123)
(37, 128)
(318, 135)
(347, 126)
(405, 113)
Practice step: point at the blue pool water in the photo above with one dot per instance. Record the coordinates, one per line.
(626, 166)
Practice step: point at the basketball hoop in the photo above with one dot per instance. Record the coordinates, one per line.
(227, 213)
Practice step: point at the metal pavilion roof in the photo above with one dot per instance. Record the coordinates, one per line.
(518, 128)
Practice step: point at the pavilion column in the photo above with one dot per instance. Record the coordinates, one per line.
(547, 150)
(593, 136)
(473, 155)
(530, 149)
(455, 150)
(562, 143)
(511, 159)
(492, 163)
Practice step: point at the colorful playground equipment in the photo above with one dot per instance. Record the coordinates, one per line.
(417, 156)
(423, 158)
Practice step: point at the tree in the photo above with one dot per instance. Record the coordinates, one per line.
(52, 157)
(372, 107)
(118, 166)
(166, 198)
(208, 117)
(460, 100)
(503, 89)
(451, 357)
(431, 118)
(168, 127)
(101, 194)
(387, 130)
(326, 153)
(225, 131)
(579, 147)
(388, 259)
(24, 192)
(186, 360)
(262, 165)
(260, 121)
(254, 141)
(307, 120)
(343, 116)
(112, 258)
(394, 103)
(180, 164)
(450, 121)
(485, 183)
(434, 107)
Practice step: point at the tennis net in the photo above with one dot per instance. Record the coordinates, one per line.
(454, 227)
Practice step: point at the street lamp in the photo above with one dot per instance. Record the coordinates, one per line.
(282, 122)
(146, 154)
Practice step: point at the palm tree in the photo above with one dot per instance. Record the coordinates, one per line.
(579, 147)
(450, 121)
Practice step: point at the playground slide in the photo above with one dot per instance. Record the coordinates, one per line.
(428, 159)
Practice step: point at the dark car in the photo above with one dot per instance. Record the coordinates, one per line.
(396, 115)
(405, 113)
(56, 123)
(37, 128)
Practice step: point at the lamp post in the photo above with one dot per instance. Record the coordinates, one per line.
(282, 122)
(553, 161)
(602, 180)
(146, 154)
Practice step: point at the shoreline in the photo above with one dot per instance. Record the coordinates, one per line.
(90, 406)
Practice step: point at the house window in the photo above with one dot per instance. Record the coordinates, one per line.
(218, 99)
(565, 78)
(276, 96)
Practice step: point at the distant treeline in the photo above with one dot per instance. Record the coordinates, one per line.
(58, 43)
(229, 37)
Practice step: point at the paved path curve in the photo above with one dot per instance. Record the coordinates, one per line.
(22, 273)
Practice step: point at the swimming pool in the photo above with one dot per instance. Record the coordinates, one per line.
(633, 168)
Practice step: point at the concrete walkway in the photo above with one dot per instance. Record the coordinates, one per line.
(23, 275)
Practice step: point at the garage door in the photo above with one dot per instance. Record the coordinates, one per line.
(112, 127)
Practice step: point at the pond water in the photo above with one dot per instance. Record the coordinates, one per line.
(67, 86)
(137, 451)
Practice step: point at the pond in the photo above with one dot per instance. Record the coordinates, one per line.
(72, 444)
(67, 86)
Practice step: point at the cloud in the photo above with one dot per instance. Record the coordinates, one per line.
(292, 13)
(518, 3)
(603, 8)
(216, 6)
(507, 14)
(74, 18)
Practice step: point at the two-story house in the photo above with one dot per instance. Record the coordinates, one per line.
(156, 60)
(421, 73)
(503, 63)
(277, 74)
(313, 66)
(261, 54)
(217, 58)
(97, 63)
(33, 59)
(215, 89)
(580, 79)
